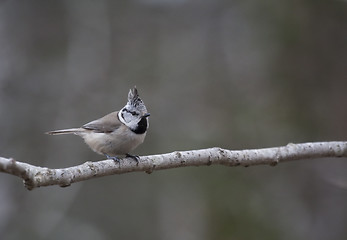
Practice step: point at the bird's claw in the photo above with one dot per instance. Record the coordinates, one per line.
(135, 157)
(114, 158)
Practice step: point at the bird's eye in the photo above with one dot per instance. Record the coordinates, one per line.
(131, 112)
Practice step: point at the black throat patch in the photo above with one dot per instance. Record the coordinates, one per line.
(141, 127)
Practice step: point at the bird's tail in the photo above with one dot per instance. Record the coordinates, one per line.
(66, 131)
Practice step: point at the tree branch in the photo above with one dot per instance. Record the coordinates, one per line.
(34, 176)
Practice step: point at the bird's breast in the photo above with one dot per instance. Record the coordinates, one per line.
(118, 142)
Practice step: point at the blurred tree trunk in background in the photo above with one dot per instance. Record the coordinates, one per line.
(259, 73)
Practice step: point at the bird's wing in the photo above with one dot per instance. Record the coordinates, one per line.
(106, 124)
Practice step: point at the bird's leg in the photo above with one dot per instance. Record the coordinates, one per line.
(135, 157)
(116, 159)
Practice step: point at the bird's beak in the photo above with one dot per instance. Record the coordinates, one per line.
(146, 115)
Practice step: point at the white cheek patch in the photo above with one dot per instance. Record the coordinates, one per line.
(131, 124)
(121, 117)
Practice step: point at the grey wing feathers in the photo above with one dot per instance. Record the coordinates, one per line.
(106, 124)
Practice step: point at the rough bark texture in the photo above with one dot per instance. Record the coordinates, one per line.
(34, 176)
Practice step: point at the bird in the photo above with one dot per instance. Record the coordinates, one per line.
(117, 133)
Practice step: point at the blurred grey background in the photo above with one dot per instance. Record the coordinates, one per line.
(233, 74)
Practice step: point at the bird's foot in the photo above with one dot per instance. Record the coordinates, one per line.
(116, 159)
(135, 157)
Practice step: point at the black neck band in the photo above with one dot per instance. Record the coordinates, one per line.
(141, 127)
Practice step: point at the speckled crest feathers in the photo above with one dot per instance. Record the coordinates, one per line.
(135, 101)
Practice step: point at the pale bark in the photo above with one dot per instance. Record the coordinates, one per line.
(34, 176)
